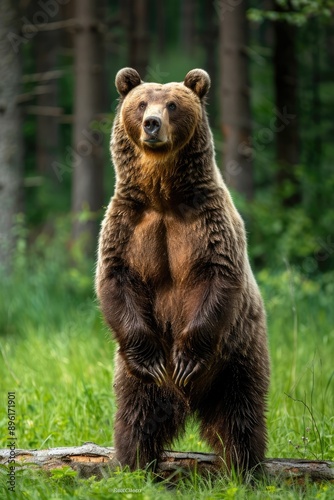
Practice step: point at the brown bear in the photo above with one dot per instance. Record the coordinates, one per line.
(175, 285)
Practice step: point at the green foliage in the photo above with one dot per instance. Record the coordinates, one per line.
(63, 472)
(34, 288)
(296, 12)
(278, 234)
(39, 487)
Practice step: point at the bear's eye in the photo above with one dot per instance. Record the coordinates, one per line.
(142, 105)
(171, 106)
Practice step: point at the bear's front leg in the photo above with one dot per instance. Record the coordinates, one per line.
(193, 353)
(209, 309)
(144, 357)
(127, 306)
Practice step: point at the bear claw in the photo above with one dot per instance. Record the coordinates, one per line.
(159, 373)
(183, 373)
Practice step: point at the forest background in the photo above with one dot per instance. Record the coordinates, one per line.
(271, 108)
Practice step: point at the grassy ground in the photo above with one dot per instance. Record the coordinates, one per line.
(57, 356)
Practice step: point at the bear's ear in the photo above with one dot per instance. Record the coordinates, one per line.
(126, 80)
(198, 81)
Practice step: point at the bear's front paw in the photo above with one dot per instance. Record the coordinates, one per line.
(147, 367)
(186, 368)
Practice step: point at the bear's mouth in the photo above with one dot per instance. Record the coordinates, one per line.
(153, 142)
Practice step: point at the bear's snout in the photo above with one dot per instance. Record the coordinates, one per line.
(152, 125)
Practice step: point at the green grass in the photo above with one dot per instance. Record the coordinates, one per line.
(57, 355)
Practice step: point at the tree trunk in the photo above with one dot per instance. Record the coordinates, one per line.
(11, 141)
(87, 188)
(47, 45)
(235, 97)
(67, 11)
(287, 134)
(161, 26)
(138, 36)
(316, 156)
(187, 26)
(91, 459)
(209, 41)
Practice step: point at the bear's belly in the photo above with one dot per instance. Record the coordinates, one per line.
(162, 250)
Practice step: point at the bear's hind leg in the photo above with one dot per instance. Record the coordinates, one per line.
(233, 419)
(147, 420)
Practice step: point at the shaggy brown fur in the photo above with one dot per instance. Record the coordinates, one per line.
(175, 285)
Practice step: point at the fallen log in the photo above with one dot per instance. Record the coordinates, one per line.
(91, 459)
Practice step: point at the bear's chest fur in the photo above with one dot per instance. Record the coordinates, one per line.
(162, 248)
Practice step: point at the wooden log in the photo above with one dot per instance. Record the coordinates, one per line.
(91, 459)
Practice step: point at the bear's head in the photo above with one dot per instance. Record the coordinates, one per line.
(159, 118)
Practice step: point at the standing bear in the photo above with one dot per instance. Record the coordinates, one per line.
(175, 285)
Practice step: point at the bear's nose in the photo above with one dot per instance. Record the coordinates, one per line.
(152, 125)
